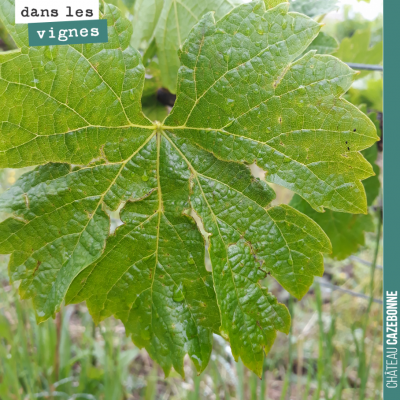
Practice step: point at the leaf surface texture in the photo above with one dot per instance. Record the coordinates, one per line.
(243, 96)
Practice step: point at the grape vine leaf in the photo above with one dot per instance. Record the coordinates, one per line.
(357, 50)
(372, 184)
(324, 44)
(346, 231)
(243, 97)
(168, 23)
(146, 14)
(313, 8)
(129, 3)
(273, 3)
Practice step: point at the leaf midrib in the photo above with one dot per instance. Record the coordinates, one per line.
(196, 173)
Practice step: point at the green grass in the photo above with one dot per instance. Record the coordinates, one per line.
(46, 362)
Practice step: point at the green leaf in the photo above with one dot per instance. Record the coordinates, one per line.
(295, 107)
(345, 231)
(372, 184)
(313, 8)
(243, 97)
(357, 50)
(175, 22)
(152, 274)
(146, 14)
(169, 23)
(273, 3)
(324, 44)
(371, 94)
(232, 206)
(71, 99)
(129, 3)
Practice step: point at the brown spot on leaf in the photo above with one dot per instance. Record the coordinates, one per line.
(37, 267)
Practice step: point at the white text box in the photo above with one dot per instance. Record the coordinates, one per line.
(31, 11)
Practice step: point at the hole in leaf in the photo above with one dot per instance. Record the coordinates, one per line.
(115, 219)
(206, 235)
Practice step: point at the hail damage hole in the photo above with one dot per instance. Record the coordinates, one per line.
(115, 219)
(206, 235)
(257, 172)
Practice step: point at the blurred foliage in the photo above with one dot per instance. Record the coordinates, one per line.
(368, 92)
(323, 44)
(6, 42)
(129, 3)
(345, 231)
(357, 49)
(60, 358)
(145, 16)
(152, 107)
(313, 8)
(352, 23)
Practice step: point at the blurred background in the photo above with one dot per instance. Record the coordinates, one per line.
(334, 349)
